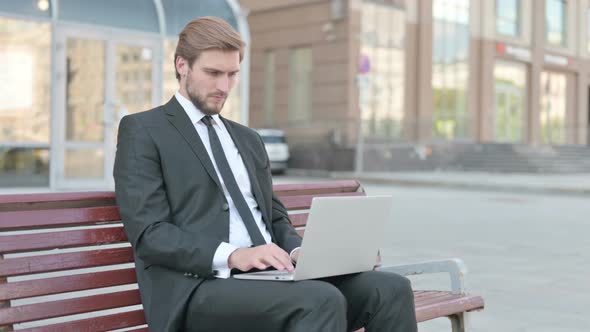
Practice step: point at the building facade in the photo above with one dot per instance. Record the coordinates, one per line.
(347, 79)
(355, 84)
(70, 69)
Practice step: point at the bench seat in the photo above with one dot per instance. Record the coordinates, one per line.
(66, 265)
(435, 304)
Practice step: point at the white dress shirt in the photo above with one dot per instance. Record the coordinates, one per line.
(238, 234)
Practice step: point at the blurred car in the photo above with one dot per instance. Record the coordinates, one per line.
(276, 147)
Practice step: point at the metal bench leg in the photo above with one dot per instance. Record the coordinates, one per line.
(458, 322)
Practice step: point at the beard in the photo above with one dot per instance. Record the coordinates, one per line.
(201, 103)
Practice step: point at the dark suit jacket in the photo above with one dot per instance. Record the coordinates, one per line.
(173, 208)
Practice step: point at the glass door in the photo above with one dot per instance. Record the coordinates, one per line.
(510, 90)
(553, 111)
(100, 79)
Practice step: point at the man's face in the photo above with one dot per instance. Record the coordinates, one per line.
(211, 78)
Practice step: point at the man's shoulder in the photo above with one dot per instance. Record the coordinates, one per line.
(149, 118)
(240, 128)
(154, 113)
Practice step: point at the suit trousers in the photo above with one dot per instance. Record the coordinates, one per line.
(378, 301)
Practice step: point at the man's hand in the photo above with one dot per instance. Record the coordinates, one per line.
(260, 257)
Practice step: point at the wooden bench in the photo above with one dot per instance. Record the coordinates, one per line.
(65, 263)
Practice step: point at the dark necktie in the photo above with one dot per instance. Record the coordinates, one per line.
(232, 185)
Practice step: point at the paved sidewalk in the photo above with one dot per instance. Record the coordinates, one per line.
(563, 184)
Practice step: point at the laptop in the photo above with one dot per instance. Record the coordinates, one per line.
(342, 236)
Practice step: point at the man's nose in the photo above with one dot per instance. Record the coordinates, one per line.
(223, 83)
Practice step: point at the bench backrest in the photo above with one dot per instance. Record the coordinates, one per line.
(65, 262)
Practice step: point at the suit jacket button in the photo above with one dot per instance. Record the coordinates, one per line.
(225, 207)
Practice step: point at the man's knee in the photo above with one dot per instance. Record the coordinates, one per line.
(317, 306)
(400, 286)
(325, 296)
(404, 286)
(390, 286)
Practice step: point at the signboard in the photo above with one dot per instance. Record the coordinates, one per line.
(519, 53)
(556, 60)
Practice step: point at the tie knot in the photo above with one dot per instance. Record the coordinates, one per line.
(207, 120)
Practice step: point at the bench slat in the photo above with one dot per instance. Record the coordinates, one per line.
(32, 199)
(102, 323)
(304, 201)
(283, 190)
(424, 292)
(21, 220)
(442, 307)
(428, 295)
(438, 298)
(279, 189)
(57, 285)
(65, 239)
(37, 311)
(56, 262)
(28, 202)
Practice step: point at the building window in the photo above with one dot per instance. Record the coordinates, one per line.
(381, 69)
(556, 22)
(269, 88)
(25, 76)
(170, 84)
(508, 17)
(450, 60)
(300, 85)
(510, 101)
(85, 90)
(553, 106)
(139, 85)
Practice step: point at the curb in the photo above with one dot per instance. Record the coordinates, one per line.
(426, 183)
(478, 186)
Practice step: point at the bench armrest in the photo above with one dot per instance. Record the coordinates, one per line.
(453, 266)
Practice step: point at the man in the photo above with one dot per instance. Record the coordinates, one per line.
(195, 195)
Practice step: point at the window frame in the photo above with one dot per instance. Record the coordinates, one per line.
(518, 22)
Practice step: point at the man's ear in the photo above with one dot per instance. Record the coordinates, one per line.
(181, 66)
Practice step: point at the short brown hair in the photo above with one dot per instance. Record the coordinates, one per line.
(205, 33)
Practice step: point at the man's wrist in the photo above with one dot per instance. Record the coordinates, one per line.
(221, 257)
(230, 264)
(294, 255)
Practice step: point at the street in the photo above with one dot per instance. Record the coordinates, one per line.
(527, 254)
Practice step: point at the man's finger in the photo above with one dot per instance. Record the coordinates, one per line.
(260, 265)
(280, 258)
(286, 261)
(272, 261)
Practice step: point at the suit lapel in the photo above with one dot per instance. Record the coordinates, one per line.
(246, 157)
(180, 120)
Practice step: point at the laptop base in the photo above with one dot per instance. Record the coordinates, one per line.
(267, 275)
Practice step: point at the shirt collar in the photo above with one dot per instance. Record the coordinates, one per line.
(192, 111)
